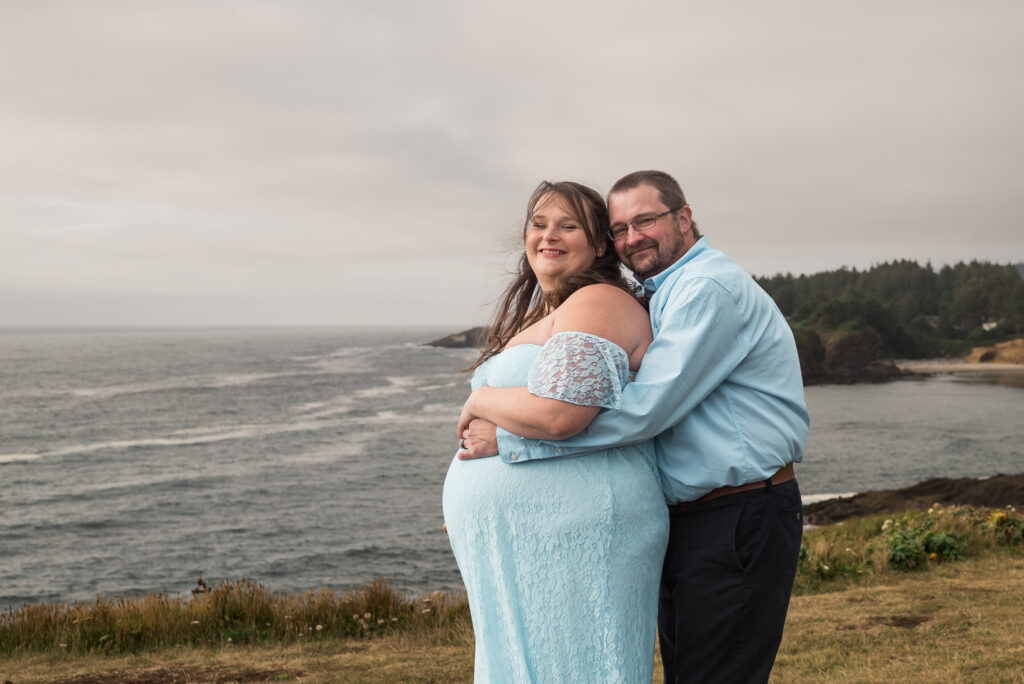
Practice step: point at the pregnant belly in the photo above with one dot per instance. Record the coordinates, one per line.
(478, 487)
(559, 496)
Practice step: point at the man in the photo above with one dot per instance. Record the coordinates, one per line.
(720, 391)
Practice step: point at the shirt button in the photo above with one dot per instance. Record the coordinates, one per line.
(559, 449)
(513, 457)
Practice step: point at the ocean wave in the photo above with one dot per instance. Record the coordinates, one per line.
(450, 410)
(188, 382)
(336, 406)
(18, 458)
(397, 418)
(330, 411)
(429, 388)
(430, 414)
(193, 436)
(396, 385)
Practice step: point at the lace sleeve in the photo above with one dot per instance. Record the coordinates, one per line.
(581, 369)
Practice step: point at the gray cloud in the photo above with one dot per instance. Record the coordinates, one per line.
(340, 163)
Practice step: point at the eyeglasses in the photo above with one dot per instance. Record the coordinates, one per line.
(639, 224)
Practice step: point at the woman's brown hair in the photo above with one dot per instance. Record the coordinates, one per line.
(523, 302)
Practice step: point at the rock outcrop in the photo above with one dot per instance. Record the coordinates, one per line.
(1004, 352)
(996, 491)
(842, 357)
(474, 337)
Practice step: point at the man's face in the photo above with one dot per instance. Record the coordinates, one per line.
(652, 251)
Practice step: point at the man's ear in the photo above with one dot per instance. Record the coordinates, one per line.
(601, 249)
(685, 217)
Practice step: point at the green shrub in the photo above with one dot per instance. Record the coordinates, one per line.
(837, 555)
(914, 542)
(1007, 530)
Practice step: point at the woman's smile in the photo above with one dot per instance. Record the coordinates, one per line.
(556, 243)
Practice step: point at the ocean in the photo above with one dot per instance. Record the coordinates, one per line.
(141, 460)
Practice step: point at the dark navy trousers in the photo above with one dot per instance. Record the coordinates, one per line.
(725, 585)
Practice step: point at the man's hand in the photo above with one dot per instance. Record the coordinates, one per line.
(479, 439)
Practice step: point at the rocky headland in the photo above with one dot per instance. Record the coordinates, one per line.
(474, 337)
(996, 491)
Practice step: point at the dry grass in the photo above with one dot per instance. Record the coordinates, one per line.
(391, 658)
(961, 622)
(858, 619)
(235, 613)
(958, 622)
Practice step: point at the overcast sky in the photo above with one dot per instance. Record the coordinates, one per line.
(339, 163)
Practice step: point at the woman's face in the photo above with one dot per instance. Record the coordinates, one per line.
(556, 243)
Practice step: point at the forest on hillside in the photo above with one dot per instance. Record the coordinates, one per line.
(906, 310)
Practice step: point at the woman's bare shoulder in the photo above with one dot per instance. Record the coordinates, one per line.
(593, 299)
(599, 291)
(606, 311)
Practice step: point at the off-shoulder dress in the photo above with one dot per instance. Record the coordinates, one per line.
(561, 558)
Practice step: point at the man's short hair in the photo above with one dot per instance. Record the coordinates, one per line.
(669, 192)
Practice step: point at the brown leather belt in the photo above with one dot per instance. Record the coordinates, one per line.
(783, 474)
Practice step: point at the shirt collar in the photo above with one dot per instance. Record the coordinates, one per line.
(652, 284)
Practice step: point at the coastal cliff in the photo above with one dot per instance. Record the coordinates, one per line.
(1005, 352)
(842, 358)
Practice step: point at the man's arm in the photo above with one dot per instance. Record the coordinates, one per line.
(579, 369)
(700, 341)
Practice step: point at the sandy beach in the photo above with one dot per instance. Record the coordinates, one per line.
(958, 366)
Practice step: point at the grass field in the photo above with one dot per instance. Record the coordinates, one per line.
(859, 617)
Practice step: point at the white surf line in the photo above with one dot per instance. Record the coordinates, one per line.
(19, 458)
(815, 498)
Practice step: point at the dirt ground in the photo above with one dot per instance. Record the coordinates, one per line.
(186, 675)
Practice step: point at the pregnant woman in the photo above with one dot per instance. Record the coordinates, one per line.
(560, 558)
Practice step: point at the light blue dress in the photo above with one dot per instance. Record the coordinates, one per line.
(561, 558)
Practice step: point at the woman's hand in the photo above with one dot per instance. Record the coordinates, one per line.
(478, 440)
(467, 415)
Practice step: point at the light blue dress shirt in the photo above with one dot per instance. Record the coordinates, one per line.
(719, 389)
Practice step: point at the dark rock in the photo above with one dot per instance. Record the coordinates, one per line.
(996, 491)
(842, 358)
(811, 352)
(474, 337)
(850, 353)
